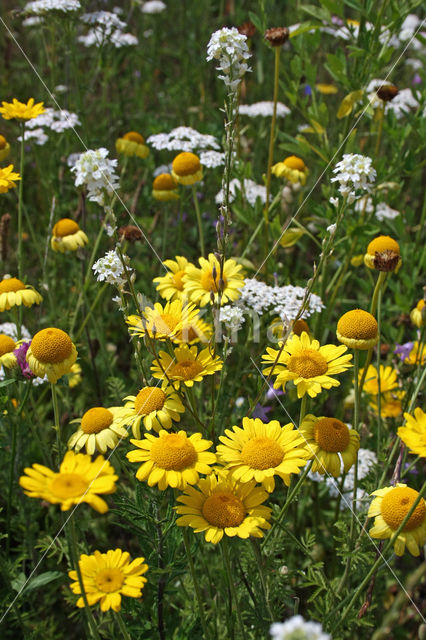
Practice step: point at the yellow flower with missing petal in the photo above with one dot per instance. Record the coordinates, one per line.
(292, 168)
(187, 169)
(20, 110)
(99, 429)
(171, 285)
(8, 178)
(188, 365)
(67, 236)
(132, 144)
(202, 285)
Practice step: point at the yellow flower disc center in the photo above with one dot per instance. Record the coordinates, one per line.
(187, 369)
(68, 485)
(134, 136)
(11, 284)
(186, 164)
(397, 503)
(358, 324)
(209, 283)
(178, 279)
(109, 580)
(224, 509)
(293, 162)
(149, 399)
(307, 363)
(331, 435)
(96, 420)
(165, 323)
(164, 182)
(6, 344)
(262, 453)
(173, 452)
(65, 227)
(383, 243)
(51, 345)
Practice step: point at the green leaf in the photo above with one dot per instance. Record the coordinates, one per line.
(6, 383)
(42, 579)
(257, 22)
(305, 27)
(317, 12)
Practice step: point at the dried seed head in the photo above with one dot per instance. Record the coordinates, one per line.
(247, 29)
(387, 92)
(277, 36)
(386, 260)
(130, 233)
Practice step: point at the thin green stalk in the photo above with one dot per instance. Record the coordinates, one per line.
(99, 295)
(122, 626)
(195, 583)
(74, 554)
(379, 391)
(303, 405)
(57, 421)
(380, 281)
(258, 557)
(381, 116)
(21, 191)
(198, 214)
(224, 545)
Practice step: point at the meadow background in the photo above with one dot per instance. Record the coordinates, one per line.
(315, 559)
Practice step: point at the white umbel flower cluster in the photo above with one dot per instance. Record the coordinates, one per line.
(355, 173)
(10, 329)
(296, 628)
(110, 269)
(183, 139)
(385, 212)
(366, 461)
(212, 159)
(39, 7)
(106, 27)
(57, 121)
(249, 190)
(284, 301)
(153, 6)
(232, 317)
(229, 47)
(94, 170)
(263, 109)
(38, 136)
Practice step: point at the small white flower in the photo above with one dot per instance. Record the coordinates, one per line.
(331, 228)
(249, 189)
(232, 316)
(334, 202)
(38, 136)
(43, 6)
(263, 109)
(239, 402)
(106, 27)
(153, 6)
(110, 269)
(296, 628)
(384, 212)
(229, 47)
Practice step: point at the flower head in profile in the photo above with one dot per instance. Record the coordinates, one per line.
(357, 329)
(108, 576)
(99, 429)
(21, 111)
(67, 236)
(308, 365)
(8, 346)
(51, 353)
(78, 480)
(383, 254)
(172, 459)
(261, 450)
(229, 48)
(293, 169)
(388, 379)
(220, 505)
(330, 442)
(132, 144)
(8, 178)
(4, 148)
(389, 509)
(13, 292)
(165, 188)
(156, 407)
(413, 433)
(186, 168)
(417, 315)
(162, 323)
(186, 366)
(209, 282)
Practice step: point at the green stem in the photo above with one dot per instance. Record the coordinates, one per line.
(224, 545)
(74, 555)
(21, 191)
(258, 557)
(381, 115)
(379, 391)
(57, 421)
(195, 583)
(198, 214)
(99, 295)
(303, 405)
(379, 283)
(122, 626)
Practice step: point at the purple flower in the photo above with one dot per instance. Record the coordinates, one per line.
(404, 350)
(273, 393)
(21, 356)
(417, 79)
(261, 412)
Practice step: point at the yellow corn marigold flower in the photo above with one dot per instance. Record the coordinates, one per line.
(220, 505)
(108, 576)
(389, 508)
(172, 459)
(8, 178)
(164, 188)
(20, 110)
(383, 254)
(330, 442)
(202, 285)
(15, 292)
(67, 236)
(4, 148)
(7, 347)
(390, 406)
(187, 169)
(170, 286)
(188, 365)
(196, 331)
(99, 429)
(308, 365)
(326, 89)
(259, 451)
(78, 480)
(163, 323)
(74, 376)
(418, 313)
(132, 144)
(278, 328)
(413, 433)
(292, 168)
(388, 379)
(51, 353)
(357, 329)
(417, 354)
(156, 407)
(358, 260)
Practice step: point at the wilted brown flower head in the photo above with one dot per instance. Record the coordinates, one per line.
(130, 233)
(247, 29)
(276, 36)
(387, 92)
(386, 260)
